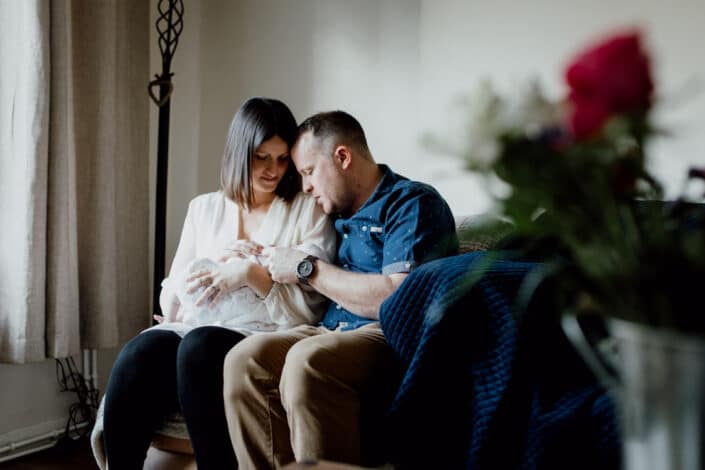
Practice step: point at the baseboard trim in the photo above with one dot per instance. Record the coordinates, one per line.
(32, 439)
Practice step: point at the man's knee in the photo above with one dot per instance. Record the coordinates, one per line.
(305, 363)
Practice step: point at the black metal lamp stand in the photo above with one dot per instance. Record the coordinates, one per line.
(169, 26)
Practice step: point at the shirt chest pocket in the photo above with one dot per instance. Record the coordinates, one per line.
(371, 233)
(370, 239)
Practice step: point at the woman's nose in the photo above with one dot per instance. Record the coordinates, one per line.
(270, 167)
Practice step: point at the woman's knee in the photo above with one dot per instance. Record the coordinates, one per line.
(144, 362)
(204, 348)
(150, 347)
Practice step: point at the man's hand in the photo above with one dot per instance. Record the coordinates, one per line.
(282, 263)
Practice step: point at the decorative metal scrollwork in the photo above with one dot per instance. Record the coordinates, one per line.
(169, 24)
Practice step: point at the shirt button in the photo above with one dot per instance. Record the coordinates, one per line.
(346, 266)
(345, 235)
(364, 228)
(337, 306)
(408, 265)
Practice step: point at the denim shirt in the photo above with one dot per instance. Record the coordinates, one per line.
(402, 225)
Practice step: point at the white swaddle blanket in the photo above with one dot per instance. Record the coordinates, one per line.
(233, 304)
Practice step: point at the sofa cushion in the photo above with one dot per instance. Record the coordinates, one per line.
(481, 232)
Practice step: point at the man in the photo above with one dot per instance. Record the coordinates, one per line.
(297, 394)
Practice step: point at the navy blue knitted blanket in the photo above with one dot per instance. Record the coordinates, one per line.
(487, 385)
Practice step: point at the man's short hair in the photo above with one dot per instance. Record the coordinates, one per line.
(339, 126)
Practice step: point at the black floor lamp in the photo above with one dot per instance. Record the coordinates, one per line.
(169, 26)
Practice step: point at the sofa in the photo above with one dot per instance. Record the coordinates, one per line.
(171, 448)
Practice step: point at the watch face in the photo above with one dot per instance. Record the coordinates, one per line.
(305, 269)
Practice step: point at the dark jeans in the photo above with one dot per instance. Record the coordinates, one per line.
(158, 372)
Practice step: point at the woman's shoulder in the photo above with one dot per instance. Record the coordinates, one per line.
(207, 200)
(209, 205)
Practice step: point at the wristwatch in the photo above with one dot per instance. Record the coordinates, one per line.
(306, 268)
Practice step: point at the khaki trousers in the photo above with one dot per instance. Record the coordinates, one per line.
(296, 394)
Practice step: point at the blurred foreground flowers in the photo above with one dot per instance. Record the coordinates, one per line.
(579, 185)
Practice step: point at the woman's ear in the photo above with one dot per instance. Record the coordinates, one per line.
(343, 156)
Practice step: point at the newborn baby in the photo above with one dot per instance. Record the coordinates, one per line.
(233, 304)
(242, 304)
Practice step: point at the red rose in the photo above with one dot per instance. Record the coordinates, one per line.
(610, 78)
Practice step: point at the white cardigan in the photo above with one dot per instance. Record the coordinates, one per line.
(211, 225)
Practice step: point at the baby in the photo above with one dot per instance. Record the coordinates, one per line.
(233, 304)
(243, 302)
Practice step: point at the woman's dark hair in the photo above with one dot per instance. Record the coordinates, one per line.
(257, 120)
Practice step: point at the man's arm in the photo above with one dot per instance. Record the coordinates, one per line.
(358, 293)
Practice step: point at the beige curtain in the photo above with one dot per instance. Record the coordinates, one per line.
(73, 175)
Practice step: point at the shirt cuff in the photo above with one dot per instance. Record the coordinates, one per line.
(271, 296)
(399, 267)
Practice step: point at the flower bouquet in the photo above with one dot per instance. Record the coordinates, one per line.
(577, 178)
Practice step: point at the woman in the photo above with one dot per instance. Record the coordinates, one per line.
(216, 265)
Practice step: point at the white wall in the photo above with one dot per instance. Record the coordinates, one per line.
(324, 54)
(508, 42)
(30, 401)
(399, 67)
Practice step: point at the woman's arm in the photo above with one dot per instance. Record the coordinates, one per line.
(257, 277)
(185, 252)
(259, 280)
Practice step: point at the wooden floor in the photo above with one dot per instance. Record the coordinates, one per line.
(69, 455)
(77, 455)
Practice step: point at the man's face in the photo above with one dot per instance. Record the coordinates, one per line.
(321, 174)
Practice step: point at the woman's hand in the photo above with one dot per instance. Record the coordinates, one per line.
(219, 281)
(175, 315)
(241, 249)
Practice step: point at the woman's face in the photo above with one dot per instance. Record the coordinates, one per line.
(269, 163)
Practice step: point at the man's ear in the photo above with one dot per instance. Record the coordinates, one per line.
(343, 156)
